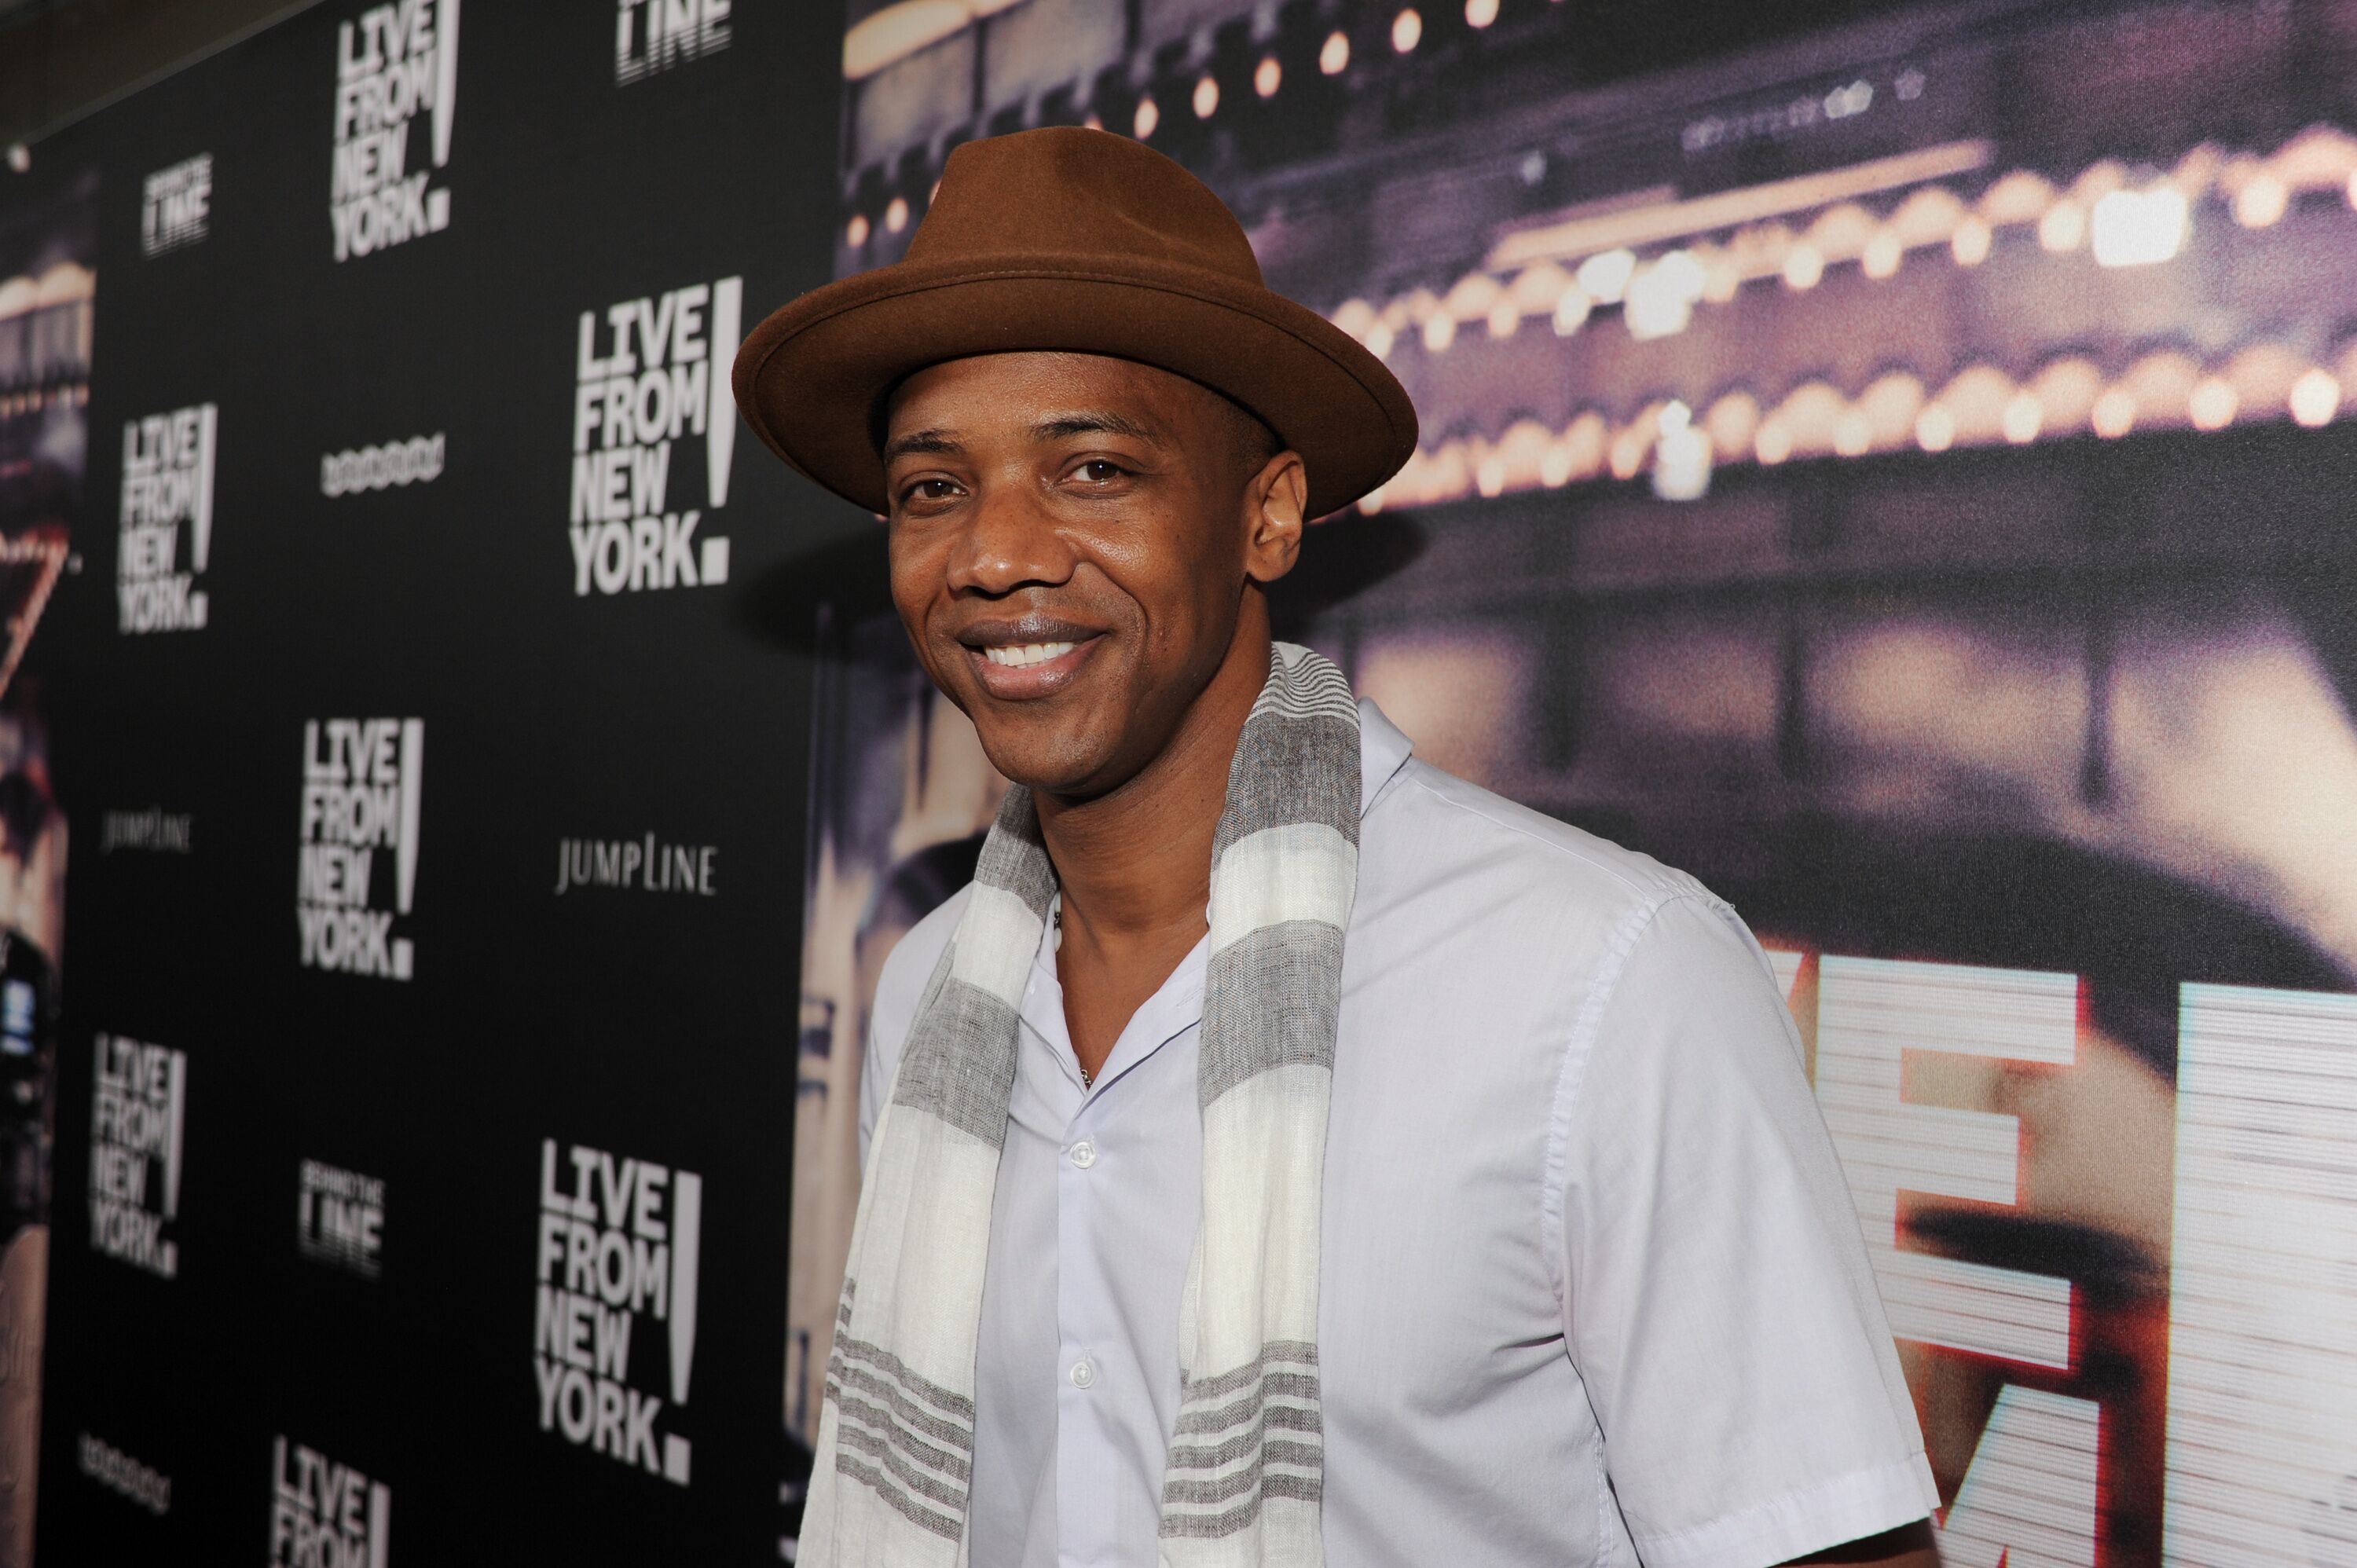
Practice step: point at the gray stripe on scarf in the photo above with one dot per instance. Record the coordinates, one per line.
(1292, 973)
(1291, 771)
(899, 1501)
(961, 1060)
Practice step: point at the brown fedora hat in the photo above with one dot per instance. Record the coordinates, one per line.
(1080, 241)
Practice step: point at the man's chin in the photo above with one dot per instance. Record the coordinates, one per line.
(1050, 760)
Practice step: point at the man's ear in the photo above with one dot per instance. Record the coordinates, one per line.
(1275, 501)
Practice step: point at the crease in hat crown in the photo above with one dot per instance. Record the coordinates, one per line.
(1108, 202)
(1064, 240)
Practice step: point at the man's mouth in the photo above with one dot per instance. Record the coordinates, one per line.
(1018, 655)
(1032, 657)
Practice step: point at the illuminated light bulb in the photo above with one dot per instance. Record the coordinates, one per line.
(2113, 414)
(1407, 31)
(855, 231)
(1661, 299)
(896, 215)
(2024, 417)
(1269, 76)
(1480, 13)
(1379, 338)
(1142, 123)
(1372, 501)
(1207, 97)
(1092, 122)
(1440, 331)
(2261, 201)
(1774, 443)
(1626, 457)
(2315, 398)
(1504, 318)
(1334, 54)
(1852, 434)
(1570, 311)
(1554, 467)
(2063, 226)
(1803, 267)
(1935, 429)
(2212, 406)
(1883, 253)
(1970, 243)
(1604, 276)
(1681, 461)
(2136, 228)
(1489, 478)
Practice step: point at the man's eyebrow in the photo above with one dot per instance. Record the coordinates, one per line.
(1096, 421)
(938, 440)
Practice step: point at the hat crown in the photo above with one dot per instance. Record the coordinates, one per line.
(1070, 192)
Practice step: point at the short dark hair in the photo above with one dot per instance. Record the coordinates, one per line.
(1255, 441)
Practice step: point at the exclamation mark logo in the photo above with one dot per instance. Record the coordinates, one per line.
(413, 769)
(686, 1245)
(720, 424)
(176, 1094)
(720, 415)
(200, 506)
(380, 1527)
(412, 789)
(445, 79)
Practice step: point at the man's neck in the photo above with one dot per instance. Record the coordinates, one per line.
(1134, 864)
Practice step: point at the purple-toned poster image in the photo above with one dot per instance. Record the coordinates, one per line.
(1896, 465)
(48, 287)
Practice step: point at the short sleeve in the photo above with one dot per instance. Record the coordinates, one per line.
(1717, 1299)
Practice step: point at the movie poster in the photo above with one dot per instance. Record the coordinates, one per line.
(48, 286)
(1896, 472)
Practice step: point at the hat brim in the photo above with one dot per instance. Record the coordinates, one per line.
(812, 378)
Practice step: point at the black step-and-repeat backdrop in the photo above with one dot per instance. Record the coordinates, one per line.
(420, 683)
(1892, 460)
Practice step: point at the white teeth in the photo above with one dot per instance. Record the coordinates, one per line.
(1027, 653)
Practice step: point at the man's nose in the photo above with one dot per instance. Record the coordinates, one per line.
(1010, 543)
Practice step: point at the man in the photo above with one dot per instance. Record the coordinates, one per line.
(1282, 1151)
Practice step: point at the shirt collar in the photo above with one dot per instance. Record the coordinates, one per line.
(1383, 752)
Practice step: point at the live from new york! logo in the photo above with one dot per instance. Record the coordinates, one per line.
(620, 1241)
(363, 785)
(648, 374)
(325, 1513)
(138, 1113)
(168, 480)
(395, 64)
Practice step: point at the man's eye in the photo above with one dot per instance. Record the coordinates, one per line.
(1098, 471)
(931, 490)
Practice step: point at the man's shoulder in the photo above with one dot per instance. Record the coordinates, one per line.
(1430, 830)
(900, 986)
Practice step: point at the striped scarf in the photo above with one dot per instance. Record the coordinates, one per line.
(1246, 1466)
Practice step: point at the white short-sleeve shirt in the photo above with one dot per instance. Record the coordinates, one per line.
(1591, 1288)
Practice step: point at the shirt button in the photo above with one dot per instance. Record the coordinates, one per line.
(1084, 1374)
(1084, 1154)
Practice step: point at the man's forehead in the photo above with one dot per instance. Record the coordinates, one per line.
(1046, 394)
